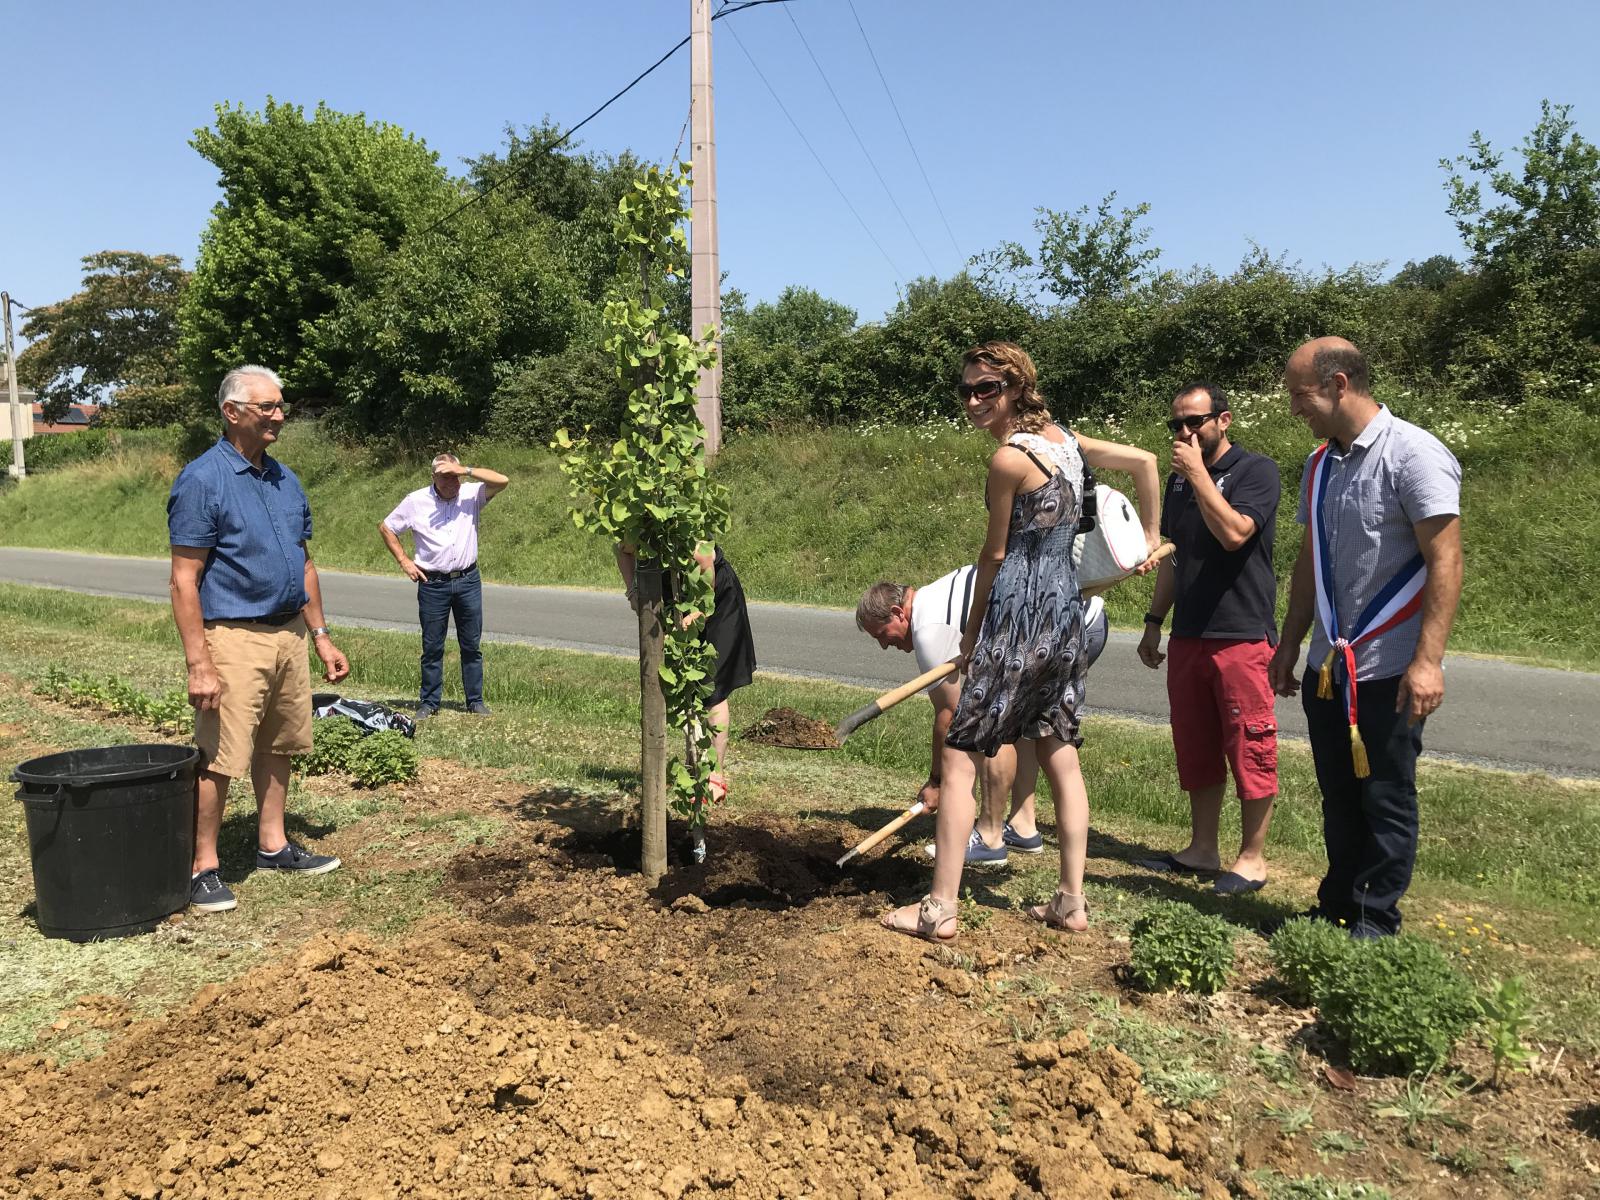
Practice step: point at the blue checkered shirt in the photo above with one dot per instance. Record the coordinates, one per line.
(1393, 476)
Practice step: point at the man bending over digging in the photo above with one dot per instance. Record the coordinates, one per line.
(927, 622)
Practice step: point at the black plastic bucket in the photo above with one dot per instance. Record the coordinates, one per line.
(111, 834)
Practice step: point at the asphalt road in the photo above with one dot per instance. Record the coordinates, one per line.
(1495, 713)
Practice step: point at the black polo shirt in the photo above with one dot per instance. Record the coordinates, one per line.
(1225, 593)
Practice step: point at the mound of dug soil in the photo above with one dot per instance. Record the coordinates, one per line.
(359, 1071)
(791, 730)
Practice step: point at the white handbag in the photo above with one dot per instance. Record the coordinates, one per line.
(1114, 547)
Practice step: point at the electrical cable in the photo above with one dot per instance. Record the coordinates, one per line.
(726, 10)
(888, 92)
(807, 142)
(789, 12)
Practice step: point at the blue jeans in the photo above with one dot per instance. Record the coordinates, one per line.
(436, 601)
(1369, 825)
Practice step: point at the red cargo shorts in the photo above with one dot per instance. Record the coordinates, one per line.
(1222, 714)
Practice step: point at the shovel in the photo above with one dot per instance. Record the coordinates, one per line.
(869, 712)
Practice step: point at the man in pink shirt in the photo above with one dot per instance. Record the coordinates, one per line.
(443, 521)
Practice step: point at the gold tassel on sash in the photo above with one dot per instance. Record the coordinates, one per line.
(1325, 676)
(1358, 754)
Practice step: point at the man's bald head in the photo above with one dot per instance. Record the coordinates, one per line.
(1320, 359)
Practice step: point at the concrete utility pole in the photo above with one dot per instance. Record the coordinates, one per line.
(18, 469)
(705, 274)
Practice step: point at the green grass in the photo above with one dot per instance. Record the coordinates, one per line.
(818, 515)
(1516, 851)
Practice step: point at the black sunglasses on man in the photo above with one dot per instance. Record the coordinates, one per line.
(1193, 424)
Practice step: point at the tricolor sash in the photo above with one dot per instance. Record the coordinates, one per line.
(1396, 602)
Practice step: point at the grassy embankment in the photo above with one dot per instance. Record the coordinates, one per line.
(1515, 852)
(819, 515)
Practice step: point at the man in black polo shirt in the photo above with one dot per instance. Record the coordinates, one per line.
(1220, 510)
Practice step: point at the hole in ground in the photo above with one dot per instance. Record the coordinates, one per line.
(772, 864)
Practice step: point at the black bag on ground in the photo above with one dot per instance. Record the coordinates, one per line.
(368, 715)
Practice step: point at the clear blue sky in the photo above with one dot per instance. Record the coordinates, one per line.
(1314, 133)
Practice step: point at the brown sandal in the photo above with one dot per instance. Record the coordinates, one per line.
(1060, 911)
(932, 915)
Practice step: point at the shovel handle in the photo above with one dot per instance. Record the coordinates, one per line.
(889, 699)
(872, 839)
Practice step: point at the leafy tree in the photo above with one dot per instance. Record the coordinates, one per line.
(431, 330)
(782, 360)
(116, 340)
(575, 388)
(1531, 319)
(651, 491)
(462, 316)
(1098, 259)
(1550, 209)
(1080, 257)
(300, 197)
(1432, 274)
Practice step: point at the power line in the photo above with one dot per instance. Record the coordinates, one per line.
(727, 10)
(888, 92)
(789, 12)
(820, 164)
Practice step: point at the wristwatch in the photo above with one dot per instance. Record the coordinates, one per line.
(468, 475)
(1151, 619)
(320, 631)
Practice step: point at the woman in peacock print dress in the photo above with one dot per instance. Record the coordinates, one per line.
(1024, 640)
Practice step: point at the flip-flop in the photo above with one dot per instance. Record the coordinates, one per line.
(1170, 864)
(1231, 883)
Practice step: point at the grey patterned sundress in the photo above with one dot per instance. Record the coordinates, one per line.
(1026, 677)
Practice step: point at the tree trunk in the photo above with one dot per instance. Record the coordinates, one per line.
(652, 724)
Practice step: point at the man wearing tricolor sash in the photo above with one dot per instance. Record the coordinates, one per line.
(1376, 583)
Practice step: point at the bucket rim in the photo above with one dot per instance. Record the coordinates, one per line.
(187, 755)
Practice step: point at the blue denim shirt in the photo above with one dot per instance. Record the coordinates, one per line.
(254, 522)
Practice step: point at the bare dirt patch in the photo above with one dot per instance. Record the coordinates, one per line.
(742, 1028)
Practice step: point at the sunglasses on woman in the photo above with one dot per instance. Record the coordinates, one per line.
(1192, 424)
(984, 389)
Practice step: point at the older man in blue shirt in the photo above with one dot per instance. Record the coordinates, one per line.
(244, 591)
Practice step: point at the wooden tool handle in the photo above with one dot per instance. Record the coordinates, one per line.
(889, 699)
(871, 840)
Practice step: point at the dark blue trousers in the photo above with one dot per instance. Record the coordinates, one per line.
(1369, 825)
(437, 601)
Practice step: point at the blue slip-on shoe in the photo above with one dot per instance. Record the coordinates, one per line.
(297, 860)
(208, 893)
(979, 852)
(1012, 840)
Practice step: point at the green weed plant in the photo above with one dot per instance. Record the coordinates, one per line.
(1398, 1004)
(1507, 1018)
(169, 712)
(383, 757)
(332, 740)
(1179, 948)
(1306, 956)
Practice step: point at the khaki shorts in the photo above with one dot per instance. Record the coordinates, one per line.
(266, 695)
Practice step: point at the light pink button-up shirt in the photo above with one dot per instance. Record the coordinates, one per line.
(445, 531)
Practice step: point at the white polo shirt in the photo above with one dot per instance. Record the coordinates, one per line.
(938, 615)
(445, 531)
